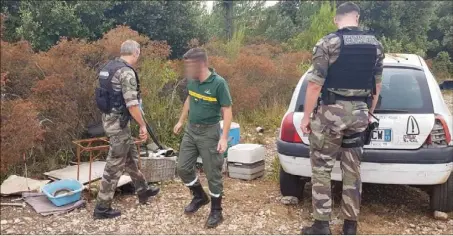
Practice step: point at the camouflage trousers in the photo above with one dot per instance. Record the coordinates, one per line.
(329, 126)
(122, 157)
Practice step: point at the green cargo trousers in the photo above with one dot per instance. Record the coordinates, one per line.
(201, 141)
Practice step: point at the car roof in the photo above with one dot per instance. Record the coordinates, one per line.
(410, 60)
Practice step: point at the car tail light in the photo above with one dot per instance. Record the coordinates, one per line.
(440, 135)
(288, 131)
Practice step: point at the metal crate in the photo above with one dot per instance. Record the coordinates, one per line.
(158, 168)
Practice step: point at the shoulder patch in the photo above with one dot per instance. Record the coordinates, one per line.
(314, 50)
(133, 82)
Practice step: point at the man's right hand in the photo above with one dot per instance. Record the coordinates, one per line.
(370, 118)
(143, 134)
(177, 128)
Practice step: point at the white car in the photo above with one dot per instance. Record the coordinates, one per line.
(412, 146)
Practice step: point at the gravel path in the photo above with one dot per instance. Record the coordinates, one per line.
(249, 208)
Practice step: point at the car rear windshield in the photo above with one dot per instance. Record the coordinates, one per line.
(403, 90)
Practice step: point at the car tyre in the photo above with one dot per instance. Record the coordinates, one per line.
(291, 185)
(442, 196)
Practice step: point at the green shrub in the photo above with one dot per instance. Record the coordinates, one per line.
(442, 65)
(162, 110)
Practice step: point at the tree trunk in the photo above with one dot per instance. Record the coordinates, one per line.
(228, 13)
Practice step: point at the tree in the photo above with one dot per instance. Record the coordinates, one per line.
(43, 23)
(321, 25)
(404, 21)
(176, 22)
(441, 29)
(228, 15)
(11, 20)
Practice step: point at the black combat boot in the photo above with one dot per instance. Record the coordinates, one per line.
(349, 227)
(215, 217)
(101, 213)
(199, 199)
(318, 228)
(143, 196)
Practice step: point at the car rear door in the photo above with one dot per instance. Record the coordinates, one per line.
(405, 110)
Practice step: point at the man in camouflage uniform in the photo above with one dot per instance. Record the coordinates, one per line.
(118, 97)
(347, 69)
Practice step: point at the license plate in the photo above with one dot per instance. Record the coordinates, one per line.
(382, 135)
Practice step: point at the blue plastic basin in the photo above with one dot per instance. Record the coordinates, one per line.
(73, 188)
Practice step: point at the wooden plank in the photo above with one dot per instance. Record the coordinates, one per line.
(97, 170)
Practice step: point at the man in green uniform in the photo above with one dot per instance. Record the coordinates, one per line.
(209, 100)
(347, 70)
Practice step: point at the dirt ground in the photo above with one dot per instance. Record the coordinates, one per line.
(250, 207)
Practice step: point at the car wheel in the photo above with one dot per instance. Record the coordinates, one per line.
(291, 185)
(442, 196)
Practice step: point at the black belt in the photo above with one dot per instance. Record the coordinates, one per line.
(350, 98)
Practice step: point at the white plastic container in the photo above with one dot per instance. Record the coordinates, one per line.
(246, 176)
(246, 153)
(246, 169)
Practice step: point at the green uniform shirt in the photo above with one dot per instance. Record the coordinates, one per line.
(206, 99)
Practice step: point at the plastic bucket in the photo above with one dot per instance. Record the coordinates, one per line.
(63, 192)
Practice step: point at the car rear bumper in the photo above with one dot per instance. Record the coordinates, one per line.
(419, 156)
(388, 167)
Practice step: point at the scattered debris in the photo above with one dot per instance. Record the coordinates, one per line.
(438, 215)
(289, 200)
(41, 204)
(15, 185)
(12, 204)
(97, 170)
(260, 129)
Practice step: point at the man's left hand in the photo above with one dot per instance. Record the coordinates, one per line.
(222, 146)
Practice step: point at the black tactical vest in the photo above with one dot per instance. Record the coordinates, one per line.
(106, 97)
(355, 66)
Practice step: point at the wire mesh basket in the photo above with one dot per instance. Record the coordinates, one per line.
(158, 168)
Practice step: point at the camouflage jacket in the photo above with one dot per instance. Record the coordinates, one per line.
(326, 52)
(124, 80)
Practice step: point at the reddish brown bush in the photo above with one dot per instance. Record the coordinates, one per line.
(261, 74)
(59, 85)
(19, 61)
(20, 131)
(111, 42)
(264, 50)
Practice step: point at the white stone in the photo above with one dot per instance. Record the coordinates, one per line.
(438, 215)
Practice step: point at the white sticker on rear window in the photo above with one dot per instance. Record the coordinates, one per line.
(359, 39)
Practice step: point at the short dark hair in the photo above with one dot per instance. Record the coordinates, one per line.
(198, 54)
(347, 7)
